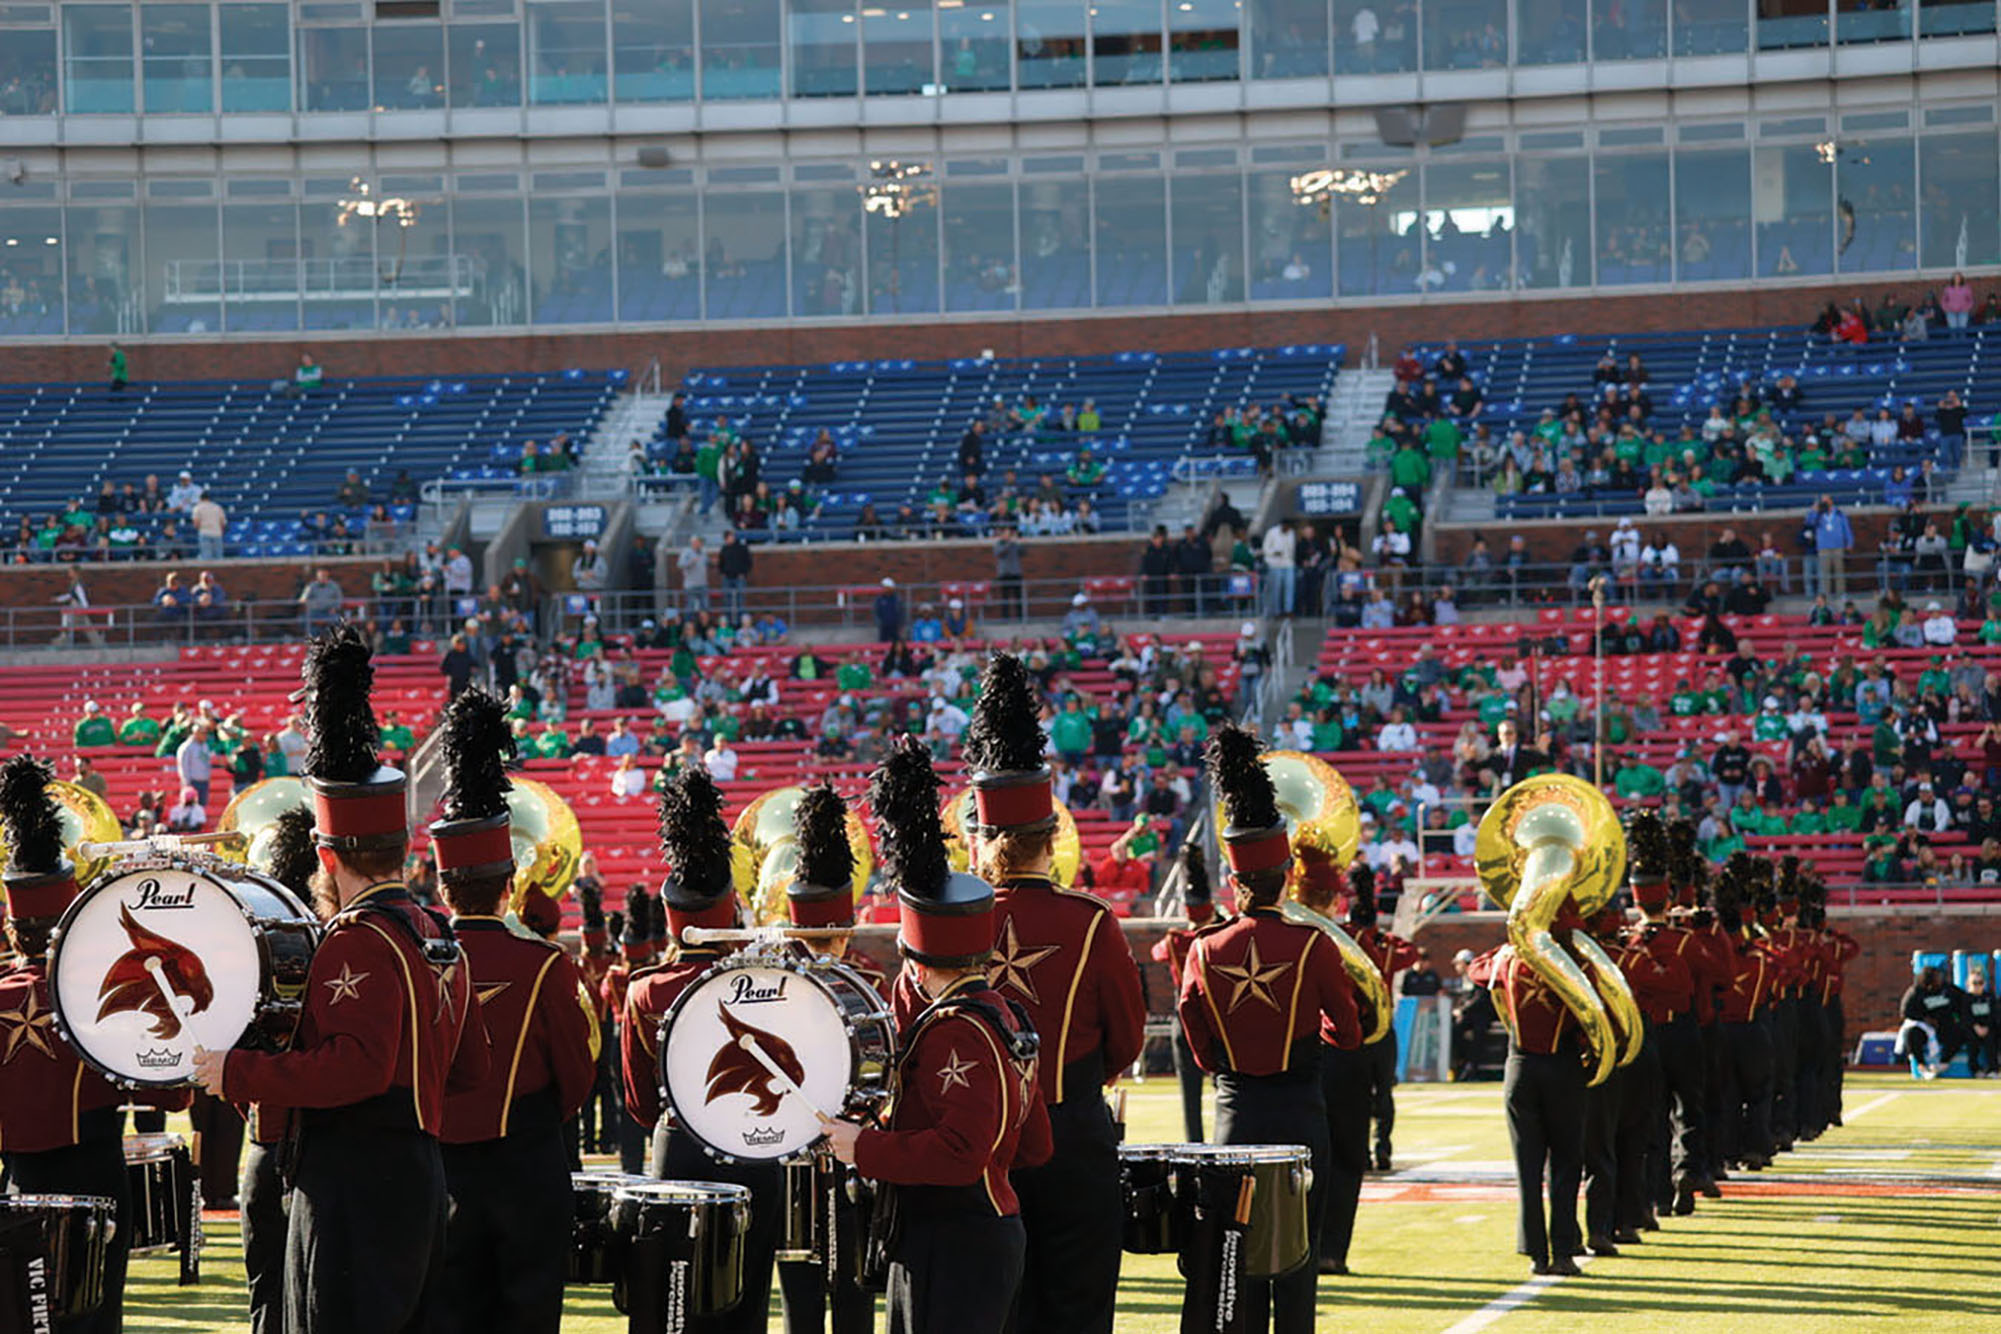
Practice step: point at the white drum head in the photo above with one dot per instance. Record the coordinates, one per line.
(722, 1094)
(148, 966)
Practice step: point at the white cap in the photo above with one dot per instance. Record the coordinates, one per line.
(1250, 629)
(1080, 599)
(90, 706)
(1933, 606)
(955, 604)
(185, 473)
(888, 582)
(206, 705)
(1771, 701)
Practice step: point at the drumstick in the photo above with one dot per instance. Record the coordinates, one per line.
(173, 998)
(1246, 1188)
(783, 1080)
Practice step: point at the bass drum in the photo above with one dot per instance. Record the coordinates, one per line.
(817, 1020)
(176, 953)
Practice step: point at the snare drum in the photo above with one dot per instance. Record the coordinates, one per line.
(594, 1254)
(819, 1021)
(684, 1245)
(1153, 1214)
(73, 1235)
(159, 1169)
(1275, 1242)
(175, 953)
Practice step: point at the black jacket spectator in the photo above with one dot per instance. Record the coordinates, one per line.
(733, 558)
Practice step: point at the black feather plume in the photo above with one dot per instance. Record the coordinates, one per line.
(1005, 733)
(615, 927)
(693, 837)
(590, 904)
(340, 720)
(293, 854)
(478, 744)
(1732, 891)
(821, 822)
(33, 821)
(1789, 877)
(1762, 891)
(1195, 887)
(1648, 854)
(1240, 778)
(903, 793)
(638, 919)
(1686, 864)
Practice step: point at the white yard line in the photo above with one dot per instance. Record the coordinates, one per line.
(1871, 1105)
(1509, 1301)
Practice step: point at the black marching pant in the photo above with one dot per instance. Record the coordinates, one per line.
(1603, 1104)
(1633, 1138)
(93, 1166)
(1747, 1091)
(604, 1110)
(1716, 1059)
(1809, 1084)
(365, 1235)
(956, 1273)
(218, 1148)
(678, 1157)
(1345, 1086)
(261, 1210)
(803, 1283)
(1684, 1096)
(1193, 1085)
(1073, 1210)
(1382, 1056)
(507, 1234)
(1544, 1095)
(1785, 1070)
(1281, 1109)
(1837, 1057)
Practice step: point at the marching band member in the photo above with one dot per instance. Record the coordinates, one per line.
(1349, 1074)
(1609, 1114)
(1257, 996)
(698, 892)
(598, 1127)
(61, 1130)
(1391, 954)
(507, 1171)
(1172, 950)
(822, 895)
(632, 931)
(1841, 950)
(1786, 948)
(1664, 986)
(1745, 1131)
(1062, 955)
(261, 1193)
(390, 1020)
(1687, 1043)
(966, 1106)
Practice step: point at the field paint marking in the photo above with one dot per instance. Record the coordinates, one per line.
(1871, 1105)
(1471, 1218)
(1853, 1155)
(1509, 1301)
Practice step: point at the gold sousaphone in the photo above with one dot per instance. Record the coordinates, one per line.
(548, 841)
(86, 818)
(1547, 842)
(254, 813)
(1321, 816)
(765, 853)
(1066, 855)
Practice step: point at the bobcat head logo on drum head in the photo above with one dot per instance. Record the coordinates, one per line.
(157, 977)
(736, 1070)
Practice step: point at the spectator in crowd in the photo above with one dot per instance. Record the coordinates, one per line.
(1278, 548)
(320, 601)
(190, 813)
(93, 728)
(888, 613)
(184, 494)
(193, 763)
(458, 666)
(628, 780)
(693, 564)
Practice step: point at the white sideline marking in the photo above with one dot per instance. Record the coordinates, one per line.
(1872, 1105)
(1510, 1301)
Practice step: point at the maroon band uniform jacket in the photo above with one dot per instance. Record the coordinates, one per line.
(542, 1024)
(1750, 989)
(1655, 970)
(1258, 992)
(649, 995)
(1536, 1016)
(45, 1087)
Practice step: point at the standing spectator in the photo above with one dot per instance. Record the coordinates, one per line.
(1156, 572)
(119, 369)
(733, 562)
(75, 602)
(193, 762)
(1832, 538)
(1193, 560)
(457, 665)
(458, 577)
(307, 376)
(87, 776)
(693, 563)
(321, 601)
(210, 521)
(1950, 417)
(972, 460)
(1277, 548)
(1007, 573)
(1956, 300)
(888, 613)
(591, 572)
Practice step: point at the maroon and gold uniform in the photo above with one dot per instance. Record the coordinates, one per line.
(1745, 1131)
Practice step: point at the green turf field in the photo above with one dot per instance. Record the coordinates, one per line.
(1889, 1221)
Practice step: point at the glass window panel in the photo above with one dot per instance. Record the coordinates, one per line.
(1712, 201)
(1132, 240)
(897, 48)
(980, 269)
(1549, 32)
(1710, 27)
(97, 43)
(826, 251)
(1792, 210)
(1380, 245)
(1787, 24)
(256, 43)
(1855, 21)
(336, 258)
(743, 254)
(973, 42)
(183, 269)
(1469, 223)
(903, 258)
(566, 53)
(740, 54)
(1635, 238)
(413, 265)
(1208, 239)
(822, 34)
(179, 67)
(334, 68)
(485, 64)
(31, 271)
(1961, 187)
(409, 66)
(1465, 34)
(490, 261)
(1628, 29)
(102, 250)
(1289, 39)
(1375, 36)
(1954, 18)
(569, 259)
(653, 50)
(1875, 225)
(1125, 41)
(1056, 243)
(28, 73)
(659, 257)
(1202, 39)
(1553, 241)
(1291, 249)
(260, 267)
(1050, 43)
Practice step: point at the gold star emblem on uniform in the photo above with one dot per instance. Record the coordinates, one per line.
(953, 1075)
(1252, 978)
(445, 1007)
(27, 1026)
(486, 994)
(1013, 962)
(347, 986)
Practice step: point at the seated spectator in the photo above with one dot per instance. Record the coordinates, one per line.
(93, 728)
(172, 600)
(1396, 734)
(352, 493)
(628, 780)
(138, 729)
(1940, 630)
(187, 815)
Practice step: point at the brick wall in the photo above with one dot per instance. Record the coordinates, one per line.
(1394, 325)
(1555, 539)
(25, 587)
(926, 564)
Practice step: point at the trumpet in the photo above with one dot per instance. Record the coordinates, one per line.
(1546, 844)
(764, 854)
